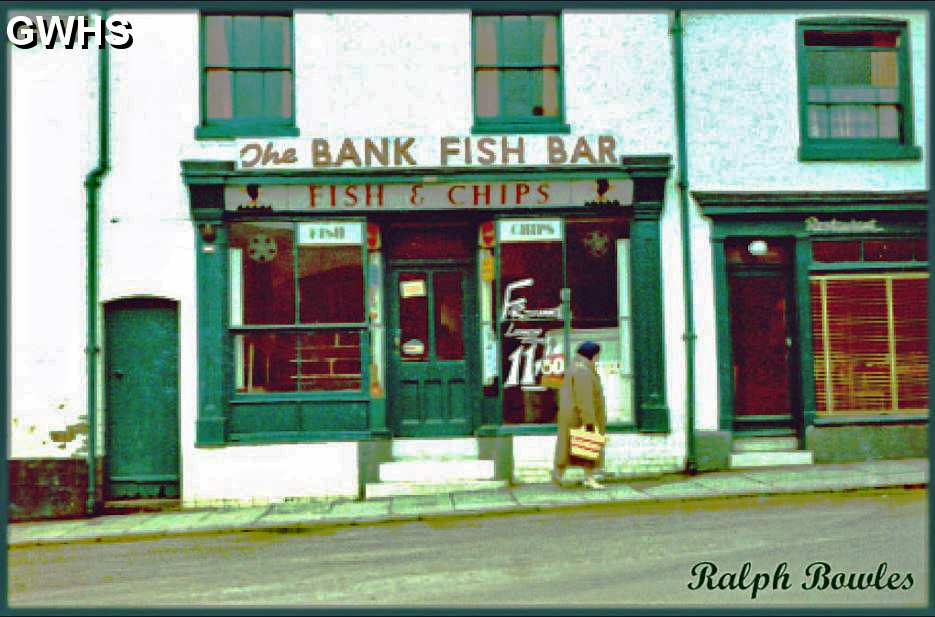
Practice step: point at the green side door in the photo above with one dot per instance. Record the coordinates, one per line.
(432, 354)
(141, 399)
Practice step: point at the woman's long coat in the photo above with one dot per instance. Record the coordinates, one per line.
(580, 402)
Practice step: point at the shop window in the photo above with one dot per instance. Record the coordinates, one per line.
(331, 284)
(262, 274)
(854, 90)
(870, 343)
(885, 249)
(832, 251)
(598, 266)
(518, 80)
(247, 77)
(533, 325)
(308, 275)
(894, 250)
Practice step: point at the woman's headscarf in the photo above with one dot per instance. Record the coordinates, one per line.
(589, 349)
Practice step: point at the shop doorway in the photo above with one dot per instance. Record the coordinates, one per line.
(141, 368)
(763, 342)
(431, 346)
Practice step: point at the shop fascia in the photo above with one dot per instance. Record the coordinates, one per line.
(398, 159)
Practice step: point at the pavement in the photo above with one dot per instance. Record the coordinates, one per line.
(524, 498)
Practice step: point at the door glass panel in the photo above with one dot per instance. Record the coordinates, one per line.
(413, 317)
(531, 327)
(759, 332)
(449, 339)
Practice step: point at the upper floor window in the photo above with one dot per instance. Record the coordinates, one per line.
(518, 73)
(247, 78)
(855, 94)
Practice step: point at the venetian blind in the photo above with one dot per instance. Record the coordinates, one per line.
(870, 343)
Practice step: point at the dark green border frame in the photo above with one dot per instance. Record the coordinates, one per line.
(811, 149)
(235, 128)
(499, 126)
(782, 215)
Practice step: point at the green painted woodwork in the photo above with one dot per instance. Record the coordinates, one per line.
(782, 214)
(251, 101)
(298, 417)
(213, 346)
(725, 359)
(652, 412)
(802, 307)
(791, 208)
(142, 398)
(217, 401)
(648, 168)
(296, 437)
(830, 149)
(524, 51)
(435, 397)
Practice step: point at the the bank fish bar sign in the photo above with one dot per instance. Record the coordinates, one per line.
(402, 152)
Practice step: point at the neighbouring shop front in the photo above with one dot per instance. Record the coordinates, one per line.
(821, 303)
(438, 302)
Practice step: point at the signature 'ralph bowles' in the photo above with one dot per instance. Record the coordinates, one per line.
(818, 576)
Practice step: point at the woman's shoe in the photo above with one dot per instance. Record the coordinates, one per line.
(590, 482)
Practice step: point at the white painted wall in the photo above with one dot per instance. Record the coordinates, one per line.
(377, 74)
(742, 107)
(270, 473)
(743, 135)
(53, 145)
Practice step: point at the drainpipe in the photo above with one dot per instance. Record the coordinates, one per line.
(682, 186)
(92, 185)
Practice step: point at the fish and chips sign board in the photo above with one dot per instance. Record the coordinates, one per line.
(427, 191)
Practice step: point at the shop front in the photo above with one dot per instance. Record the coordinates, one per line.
(821, 319)
(436, 303)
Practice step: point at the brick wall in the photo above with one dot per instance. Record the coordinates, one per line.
(50, 488)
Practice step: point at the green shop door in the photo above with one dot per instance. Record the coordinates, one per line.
(431, 353)
(141, 398)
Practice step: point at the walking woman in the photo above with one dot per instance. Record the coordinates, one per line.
(580, 402)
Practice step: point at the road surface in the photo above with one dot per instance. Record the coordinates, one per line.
(605, 555)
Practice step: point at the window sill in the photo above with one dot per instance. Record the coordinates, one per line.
(843, 151)
(254, 439)
(517, 128)
(244, 130)
(822, 421)
(300, 397)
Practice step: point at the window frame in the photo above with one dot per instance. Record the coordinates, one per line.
(637, 420)
(297, 327)
(499, 125)
(838, 149)
(238, 127)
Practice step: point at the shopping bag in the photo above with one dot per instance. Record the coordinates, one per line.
(587, 444)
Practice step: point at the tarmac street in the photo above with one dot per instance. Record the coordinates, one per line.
(821, 549)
